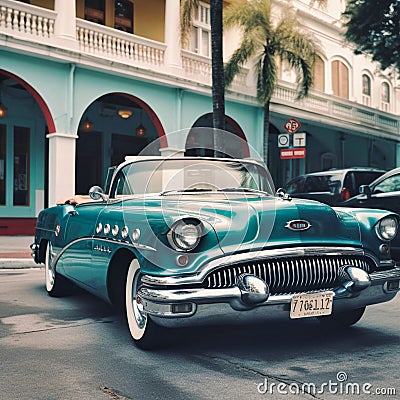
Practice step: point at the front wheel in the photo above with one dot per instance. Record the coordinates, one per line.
(56, 285)
(144, 332)
(342, 320)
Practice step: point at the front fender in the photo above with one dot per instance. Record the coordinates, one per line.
(367, 220)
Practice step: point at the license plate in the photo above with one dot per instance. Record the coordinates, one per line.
(311, 305)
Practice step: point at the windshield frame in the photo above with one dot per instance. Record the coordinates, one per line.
(254, 169)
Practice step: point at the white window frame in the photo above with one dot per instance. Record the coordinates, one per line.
(201, 24)
(385, 105)
(366, 97)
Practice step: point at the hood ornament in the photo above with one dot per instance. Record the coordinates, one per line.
(298, 225)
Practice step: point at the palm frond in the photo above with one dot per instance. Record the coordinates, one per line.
(241, 55)
(304, 78)
(286, 41)
(188, 13)
(266, 71)
(301, 60)
(249, 15)
(299, 50)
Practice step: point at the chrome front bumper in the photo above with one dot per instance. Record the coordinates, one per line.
(188, 306)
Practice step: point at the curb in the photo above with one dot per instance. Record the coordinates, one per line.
(18, 263)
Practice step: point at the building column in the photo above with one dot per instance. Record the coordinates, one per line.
(396, 100)
(172, 56)
(65, 25)
(61, 166)
(328, 78)
(397, 155)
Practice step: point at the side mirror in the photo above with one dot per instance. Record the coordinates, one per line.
(97, 193)
(365, 190)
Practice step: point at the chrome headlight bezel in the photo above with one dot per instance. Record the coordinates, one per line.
(185, 235)
(387, 228)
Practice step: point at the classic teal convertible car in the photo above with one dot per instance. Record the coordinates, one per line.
(178, 241)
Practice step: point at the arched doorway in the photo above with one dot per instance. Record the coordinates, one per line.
(112, 127)
(200, 141)
(25, 120)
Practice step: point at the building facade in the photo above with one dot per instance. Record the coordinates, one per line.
(85, 82)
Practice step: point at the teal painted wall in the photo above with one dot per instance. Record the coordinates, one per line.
(23, 111)
(48, 78)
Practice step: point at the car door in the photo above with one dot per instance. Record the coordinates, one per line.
(385, 195)
(318, 187)
(80, 229)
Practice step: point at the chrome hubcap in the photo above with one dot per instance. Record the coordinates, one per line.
(138, 309)
(50, 267)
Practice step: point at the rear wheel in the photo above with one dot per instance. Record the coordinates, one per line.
(342, 320)
(56, 285)
(144, 332)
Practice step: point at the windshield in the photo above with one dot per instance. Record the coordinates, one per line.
(190, 175)
(323, 183)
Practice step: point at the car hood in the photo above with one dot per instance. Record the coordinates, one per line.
(255, 222)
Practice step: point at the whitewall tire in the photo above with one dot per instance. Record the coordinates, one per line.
(56, 285)
(144, 331)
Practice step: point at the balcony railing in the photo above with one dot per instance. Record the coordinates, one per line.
(26, 20)
(28, 24)
(334, 107)
(111, 43)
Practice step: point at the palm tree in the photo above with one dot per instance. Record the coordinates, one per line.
(188, 10)
(264, 43)
(217, 65)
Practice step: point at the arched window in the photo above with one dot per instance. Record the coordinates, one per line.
(385, 97)
(340, 79)
(366, 90)
(319, 74)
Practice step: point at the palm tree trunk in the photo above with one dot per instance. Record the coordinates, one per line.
(266, 132)
(218, 83)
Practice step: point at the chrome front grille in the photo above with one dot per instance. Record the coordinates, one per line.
(287, 275)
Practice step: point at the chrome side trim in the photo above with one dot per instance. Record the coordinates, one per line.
(199, 276)
(108, 241)
(379, 277)
(125, 243)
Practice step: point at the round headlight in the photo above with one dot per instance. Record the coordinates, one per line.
(386, 228)
(185, 236)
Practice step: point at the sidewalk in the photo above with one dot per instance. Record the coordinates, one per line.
(15, 252)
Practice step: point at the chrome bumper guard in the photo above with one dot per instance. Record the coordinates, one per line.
(35, 252)
(251, 293)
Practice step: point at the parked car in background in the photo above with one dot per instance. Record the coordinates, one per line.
(383, 193)
(191, 240)
(332, 187)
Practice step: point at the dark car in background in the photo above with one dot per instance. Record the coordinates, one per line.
(383, 193)
(332, 187)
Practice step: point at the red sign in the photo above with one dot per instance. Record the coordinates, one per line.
(292, 125)
(298, 152)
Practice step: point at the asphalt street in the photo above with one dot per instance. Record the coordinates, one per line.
(78, 348)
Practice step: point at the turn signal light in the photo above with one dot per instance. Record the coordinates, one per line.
(181, 308)
(393, 285)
